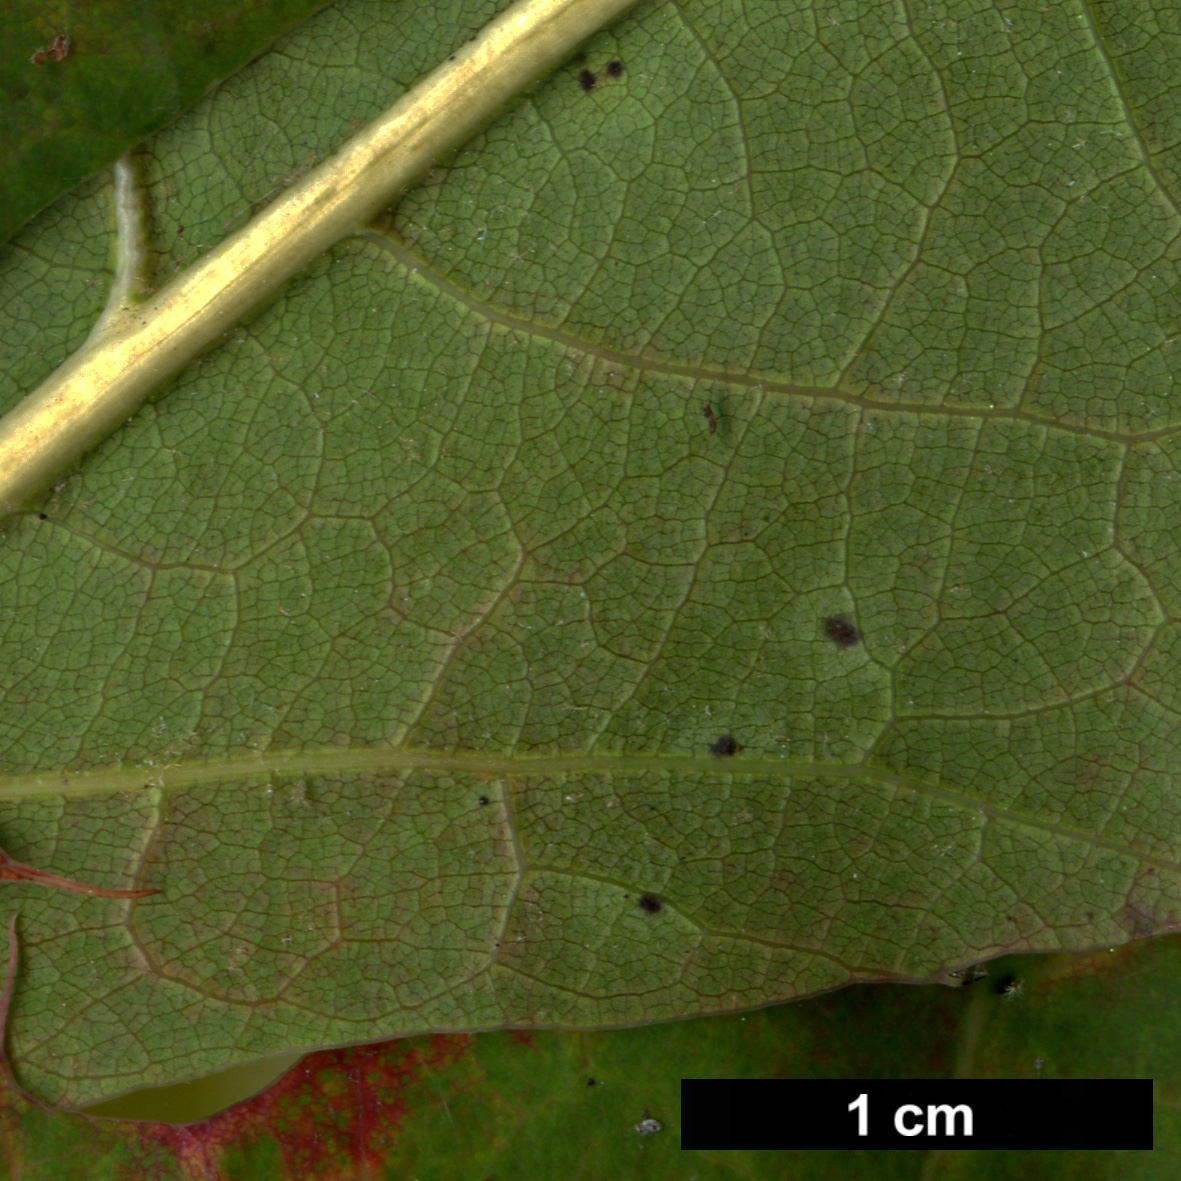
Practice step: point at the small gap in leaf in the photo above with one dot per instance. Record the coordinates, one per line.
(969, 975)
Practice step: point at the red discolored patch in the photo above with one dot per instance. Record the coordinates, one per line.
(335, 1116)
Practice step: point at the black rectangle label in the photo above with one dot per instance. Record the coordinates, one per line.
(885, 1113)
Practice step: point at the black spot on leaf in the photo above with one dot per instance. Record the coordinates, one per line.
(840, 629)
(615, 69)
(43, 516)
(483, 800)
(651, 904)
(710, 417)
(724, 746)
(590, 1082)
(587, 80)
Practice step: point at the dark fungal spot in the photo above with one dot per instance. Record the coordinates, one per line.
(615, 69)
(840, 629)
(590, 1082)
(1005, 985)
(587, 80)
(710, 417)
(651, 904)
(483, 801)
(724, 746)
(43, 516)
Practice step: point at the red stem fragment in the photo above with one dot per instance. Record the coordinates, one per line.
(16, 871)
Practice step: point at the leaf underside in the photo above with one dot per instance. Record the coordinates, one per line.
(391, 641)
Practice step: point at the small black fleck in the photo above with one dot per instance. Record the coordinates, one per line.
(615, 69)
(1005, 985)
(483, 800)
(651, 904)
(587, 81)
(724, 746)
(590, 1082)
(710, 417)
(43, 516)
(840, 629)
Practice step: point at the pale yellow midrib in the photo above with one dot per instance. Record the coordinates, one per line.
(113, 373)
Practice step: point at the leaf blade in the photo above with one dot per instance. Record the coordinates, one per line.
(482, 525)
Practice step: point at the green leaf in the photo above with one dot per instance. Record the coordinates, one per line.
(82, 82)
(391, 641)
(535, 1105)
